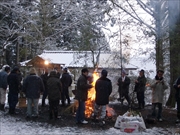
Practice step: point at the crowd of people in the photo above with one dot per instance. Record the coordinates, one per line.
(49, 84)
(56, 88)
(158, 87)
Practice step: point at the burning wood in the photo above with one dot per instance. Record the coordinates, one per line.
(91, 97)
(109, 111)
(91, 100)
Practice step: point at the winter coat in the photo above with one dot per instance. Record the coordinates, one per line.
(3, 80)
(53, 87)
(82, 88)
(44, 78)
(66, 80)
(124, 86)
(177, 82)
(158, 91)
(103, 88)
(33, 86)
(140, 86)
(13, 82)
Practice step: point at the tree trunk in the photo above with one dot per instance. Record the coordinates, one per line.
(174, 34)
(159, 37)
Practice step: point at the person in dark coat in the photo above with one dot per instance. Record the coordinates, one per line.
(14, 87)
(103, 88)
(44, 77)
(81, 96)
(140, 85)
(32, 87)
(66, 81)
(123, 83)
(54, 91)
(177, 96)
(3, 85)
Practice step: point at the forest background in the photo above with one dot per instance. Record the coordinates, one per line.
(128, 27)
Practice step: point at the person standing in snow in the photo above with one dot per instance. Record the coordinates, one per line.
(81, 96)
(14, 83)
(32, 87)
(3, 85)
(103, 88)
(158, 88)
(123, 83)
(54, 91)
(66, 81)
(177, 96)
(140, 84)
(44, 78)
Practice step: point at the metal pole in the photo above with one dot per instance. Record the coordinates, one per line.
(120, 56)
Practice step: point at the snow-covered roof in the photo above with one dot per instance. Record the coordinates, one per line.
(83, 58)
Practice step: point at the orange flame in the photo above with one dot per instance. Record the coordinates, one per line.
(91, 96)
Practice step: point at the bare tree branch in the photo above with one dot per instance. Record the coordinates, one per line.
(135, 17)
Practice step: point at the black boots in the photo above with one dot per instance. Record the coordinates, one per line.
(12, 111)
(50, 115)
(53, 114)
(2, 107)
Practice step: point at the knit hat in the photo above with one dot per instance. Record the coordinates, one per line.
(65, 69)
(6, 68)
(16, 69)
(104, 72)
(123, 72)
(53, 73)
(84, 70)
(141, 70)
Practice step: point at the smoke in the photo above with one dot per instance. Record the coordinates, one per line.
(174, 13)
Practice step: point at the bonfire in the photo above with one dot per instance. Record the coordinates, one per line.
(91, 99)
(91, 96)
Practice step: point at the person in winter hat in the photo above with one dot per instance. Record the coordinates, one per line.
(14, 88)
(103, 88)
(54, 89)
(140, 85)
(66, 81)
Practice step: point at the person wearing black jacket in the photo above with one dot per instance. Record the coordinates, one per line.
(66, 81)
(44, 78)
(177, 96)
(54, 91)
(103, 88)
(3, 85)
(14, 87)
(123, 83)
(82, 95)
(140, 86)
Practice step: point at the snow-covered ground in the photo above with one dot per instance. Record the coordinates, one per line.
(10, 125)
(15, 126)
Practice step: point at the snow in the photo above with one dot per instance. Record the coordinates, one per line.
(15, 126)
(79, 59)
(10, 125)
